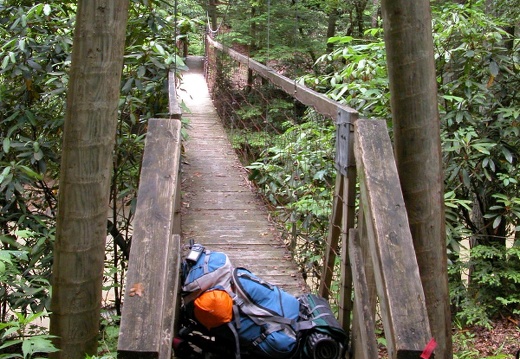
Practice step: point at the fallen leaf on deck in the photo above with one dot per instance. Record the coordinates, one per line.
(137, 289)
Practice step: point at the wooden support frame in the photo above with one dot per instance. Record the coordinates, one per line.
(364, 342)
(343, 215)
(151, 292)
(334, 232)
(398, 283)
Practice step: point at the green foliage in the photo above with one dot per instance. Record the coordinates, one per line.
(287, 35)
(25, 270)
(22, 332)
(35, 49)
(464, 345)
(34, 56)
(493, 284)
(477, 65)
(295, 175)
(355, 74)
(31, 83)
(108, 336)
(477, 87)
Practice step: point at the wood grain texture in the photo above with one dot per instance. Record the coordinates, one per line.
(174, 107)
(398, 282)
(364, 337)
(147, 319)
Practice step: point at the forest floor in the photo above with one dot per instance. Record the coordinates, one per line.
(501, 341)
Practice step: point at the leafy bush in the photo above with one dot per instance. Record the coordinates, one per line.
(22, 332)
(35, 58)
(355, 74)
(481, 145)
(34, 63)
(296, 176)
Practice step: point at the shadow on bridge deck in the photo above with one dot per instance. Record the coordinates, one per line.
(220, 209)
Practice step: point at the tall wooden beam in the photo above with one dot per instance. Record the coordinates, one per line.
(401, 296)
(344, 200)
(364, 343)
(151, 293)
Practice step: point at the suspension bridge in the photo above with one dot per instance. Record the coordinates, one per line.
(198, 189)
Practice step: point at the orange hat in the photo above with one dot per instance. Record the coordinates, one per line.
(213, 308)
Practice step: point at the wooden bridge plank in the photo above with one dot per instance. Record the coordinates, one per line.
(150, 295)
(396, 271)
(220, 208)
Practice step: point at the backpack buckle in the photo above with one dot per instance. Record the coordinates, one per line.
(259, 340)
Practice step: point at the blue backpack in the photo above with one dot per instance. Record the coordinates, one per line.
(267, 321)
(268, 317)
(211, 270)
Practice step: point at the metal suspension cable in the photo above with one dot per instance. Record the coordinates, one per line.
(268, 31)
(175, 26)
(268, 48)
(212, 31)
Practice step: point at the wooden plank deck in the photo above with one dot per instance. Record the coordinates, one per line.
(220, 209)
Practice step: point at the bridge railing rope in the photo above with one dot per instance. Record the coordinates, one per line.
(369, 243)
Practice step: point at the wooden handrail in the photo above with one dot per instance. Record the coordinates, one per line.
(174, 108)
(305, 95)
(151, 292)
(398, 282)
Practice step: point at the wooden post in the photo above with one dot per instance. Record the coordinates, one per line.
(364, 343)
(332, 238)
(345, 294)
(401, 296)
(173, 103)
(151, 293)
(345, 164)
(344, 193)
(367, 260)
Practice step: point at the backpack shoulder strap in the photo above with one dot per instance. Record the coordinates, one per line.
(237, 341)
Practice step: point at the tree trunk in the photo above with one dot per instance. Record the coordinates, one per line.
(212, 13)
(360, 6)
(331, 28)
(88, 142)
(413, 89)
(376, 12)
